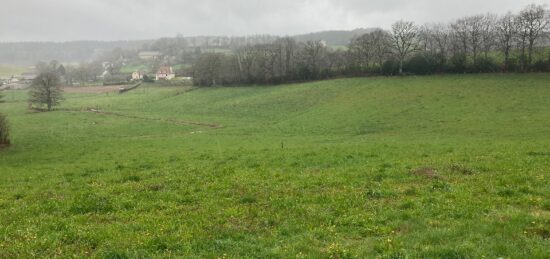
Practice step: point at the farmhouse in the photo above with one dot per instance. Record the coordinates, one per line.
(165, 73)
(28, 77)
(137, 75)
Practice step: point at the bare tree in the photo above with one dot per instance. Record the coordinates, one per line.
(312, 52)
(404, 39)
(46, 90)
(362, 49)
(507, 30)
(488, 33)
(441, 35)
(533, 21)
(380, 44)
(460, 37)
(474, 27)
(287, 58)
(245, 58)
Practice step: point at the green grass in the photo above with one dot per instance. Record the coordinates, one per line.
(10, 70)
(413, 167)
(131, 68)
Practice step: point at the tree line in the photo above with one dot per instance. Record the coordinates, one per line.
(474, 44)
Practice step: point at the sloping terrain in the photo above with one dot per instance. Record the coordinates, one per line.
(440, 166)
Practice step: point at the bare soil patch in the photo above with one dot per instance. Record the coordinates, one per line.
(171, 121)
(427, 172)
(93, 89)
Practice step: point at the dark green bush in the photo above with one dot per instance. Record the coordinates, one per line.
(4, 131)
(147, 79)
(485, 65)
(540, 66)
(390, 67)
(459, 63)
(513, 65)
(422, 64)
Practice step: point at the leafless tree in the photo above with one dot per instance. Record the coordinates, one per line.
(533, 21)
(287, 59)
(488, 34)
(474, 27)
(460, 37)
(404, 40)
(312, 52)
(245, 58)
(362, 49)
(381, 46)
(507, 31)
(441, 35)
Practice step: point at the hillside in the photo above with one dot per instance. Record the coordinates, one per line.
(421, 167)
(334, 38)
(29, 53)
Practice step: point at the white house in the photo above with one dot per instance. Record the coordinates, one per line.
(137, 75)
(165, 73)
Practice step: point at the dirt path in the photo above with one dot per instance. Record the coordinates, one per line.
(172, 121)
(92, 89)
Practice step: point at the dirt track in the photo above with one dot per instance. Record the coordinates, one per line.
(93, 89)
(171, 121)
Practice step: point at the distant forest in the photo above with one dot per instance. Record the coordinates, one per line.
(29, 53)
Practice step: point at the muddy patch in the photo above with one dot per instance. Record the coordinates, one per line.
(427, 172)
(93, 89)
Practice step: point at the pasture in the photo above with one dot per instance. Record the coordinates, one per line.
(11, 70)
(454, 166)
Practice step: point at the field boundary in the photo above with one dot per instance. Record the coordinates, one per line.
(124, 90)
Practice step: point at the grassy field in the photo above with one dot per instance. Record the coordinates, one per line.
(10, 70)
(413, 167)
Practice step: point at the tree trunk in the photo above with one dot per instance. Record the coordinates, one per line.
(400, 66)
(530, 57)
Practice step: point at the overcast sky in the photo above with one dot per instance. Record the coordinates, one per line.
(62, 20)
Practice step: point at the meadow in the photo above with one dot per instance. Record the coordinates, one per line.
(454, 166)
(11, 70)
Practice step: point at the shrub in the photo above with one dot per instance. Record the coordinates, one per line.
(513, 65)
(540, 66)
(459, 63)
(485, 65)
(147, 79)
(423, 64)
(390, 67)
(4, 131)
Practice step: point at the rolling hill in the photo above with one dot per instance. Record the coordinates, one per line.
(451, 166)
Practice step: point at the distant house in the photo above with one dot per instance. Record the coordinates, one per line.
(28, 77)
(137, 75)
(13, 80)
(150, 55)
(165, 73)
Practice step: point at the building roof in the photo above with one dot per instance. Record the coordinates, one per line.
(165, 70)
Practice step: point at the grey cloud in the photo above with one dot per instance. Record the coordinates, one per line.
(59, 20)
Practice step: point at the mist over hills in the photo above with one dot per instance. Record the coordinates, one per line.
(334, 37)
(29, 53)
